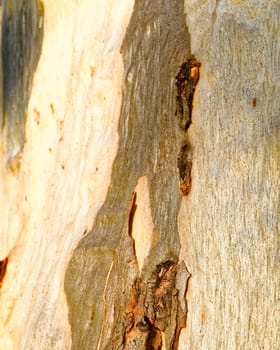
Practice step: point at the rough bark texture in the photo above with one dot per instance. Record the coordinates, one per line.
(139, 204)
(142, 303)
(229, 225)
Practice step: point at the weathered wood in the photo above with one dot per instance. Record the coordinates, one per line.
(149, 143)
(97, 239)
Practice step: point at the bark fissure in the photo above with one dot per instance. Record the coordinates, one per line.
(3, 268)
(186, 81)
(132, 209)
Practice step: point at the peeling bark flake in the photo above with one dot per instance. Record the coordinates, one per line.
(155, 308)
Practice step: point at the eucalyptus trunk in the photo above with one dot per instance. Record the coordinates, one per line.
(139, 186)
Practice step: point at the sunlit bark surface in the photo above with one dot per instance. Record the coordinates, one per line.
(105, 243)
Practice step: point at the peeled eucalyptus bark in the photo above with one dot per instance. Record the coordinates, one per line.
(139, 204)
(132, 307)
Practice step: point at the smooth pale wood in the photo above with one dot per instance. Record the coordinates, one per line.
(227, 224)
(142, 225)
(71, 142)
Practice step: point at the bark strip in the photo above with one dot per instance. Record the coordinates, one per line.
(138, 310)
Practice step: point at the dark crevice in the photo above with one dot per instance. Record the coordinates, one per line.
(3, 268)
(186, 81)
(131, 213)
(154, 338)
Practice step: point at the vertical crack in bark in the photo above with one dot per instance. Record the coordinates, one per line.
(147, 309)
(131, 213)
(3, 268)
(186, 81)
(103, 299)
(22, 35)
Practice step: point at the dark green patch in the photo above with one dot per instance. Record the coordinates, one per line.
(22, 34)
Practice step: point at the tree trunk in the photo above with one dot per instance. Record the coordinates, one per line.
(139, 180)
